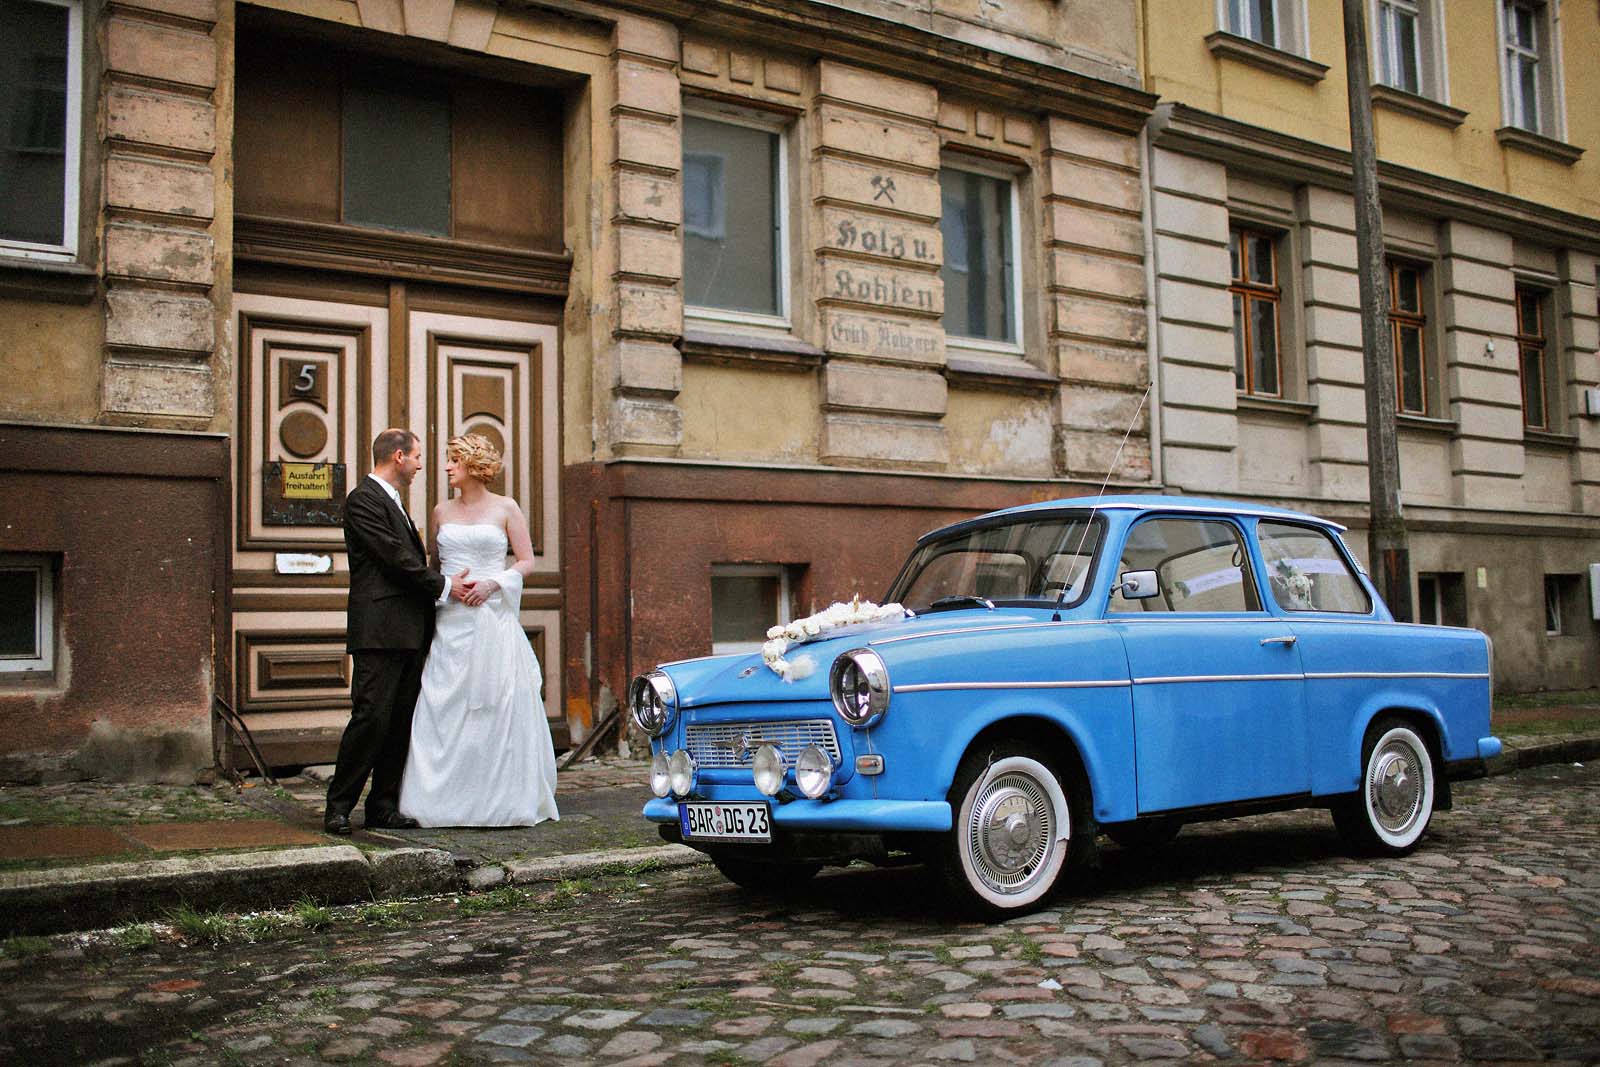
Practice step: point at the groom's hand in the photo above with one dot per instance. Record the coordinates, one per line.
(459, 586)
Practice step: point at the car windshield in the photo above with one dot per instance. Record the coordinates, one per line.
(1028, 559)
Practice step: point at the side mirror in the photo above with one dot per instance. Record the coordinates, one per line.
(1138, 585)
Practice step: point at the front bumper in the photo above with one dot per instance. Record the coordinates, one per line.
(869, 816)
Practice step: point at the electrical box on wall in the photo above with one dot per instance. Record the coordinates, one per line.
(1594, 590)
(1591, 403)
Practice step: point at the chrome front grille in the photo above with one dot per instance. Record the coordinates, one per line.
(734, 744)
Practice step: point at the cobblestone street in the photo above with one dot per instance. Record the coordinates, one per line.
(1257, 940)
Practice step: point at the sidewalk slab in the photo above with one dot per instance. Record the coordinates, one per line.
(583, 864)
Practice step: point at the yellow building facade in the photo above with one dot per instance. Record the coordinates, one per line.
(1487, 130)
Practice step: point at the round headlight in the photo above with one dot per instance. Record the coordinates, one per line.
(653, 701)
(680, 772)
(813, 771)
(660, 776)
(859, 683)
(767, 767)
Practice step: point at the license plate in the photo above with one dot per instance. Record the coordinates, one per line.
(725, 822)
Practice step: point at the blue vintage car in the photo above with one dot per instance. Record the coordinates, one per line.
(1119, 665)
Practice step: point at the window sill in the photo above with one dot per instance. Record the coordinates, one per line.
(998, 372)
(55, 282)
(1558, 442)
(1422, 107)
(1538, 144)
(1276, 407)
(743, 348)
(1231, 46)
(1426, 424)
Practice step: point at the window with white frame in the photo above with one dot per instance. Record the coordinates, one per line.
(1527, 37)
(979, 220)
(27, 614)
(1408, 45)
(1274, 23)
(735, 213)
(747, 599)
(41, 89)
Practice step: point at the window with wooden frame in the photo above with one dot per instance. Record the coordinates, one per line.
(1408, 320)
(1532, 358)
(1525, 33)
(1257, 295)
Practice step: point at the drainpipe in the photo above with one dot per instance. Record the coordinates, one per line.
(1157, 121)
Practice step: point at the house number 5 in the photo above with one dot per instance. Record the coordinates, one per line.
(306, 381)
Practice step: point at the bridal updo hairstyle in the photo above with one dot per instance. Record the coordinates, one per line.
(478, 454)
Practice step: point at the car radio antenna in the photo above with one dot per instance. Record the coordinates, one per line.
(1112, 466)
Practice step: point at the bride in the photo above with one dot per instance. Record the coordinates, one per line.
(481, 753)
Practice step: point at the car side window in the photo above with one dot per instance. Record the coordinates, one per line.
(1307, 572)
(1200, 565)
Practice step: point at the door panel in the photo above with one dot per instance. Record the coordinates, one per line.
(314, 387)
(1217, 715)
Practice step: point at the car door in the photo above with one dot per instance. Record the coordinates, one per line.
(1218, 689)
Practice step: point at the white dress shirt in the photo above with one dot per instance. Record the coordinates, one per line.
(394, 494)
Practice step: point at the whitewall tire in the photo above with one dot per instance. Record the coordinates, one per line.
(1011, 832)
(1391, 810)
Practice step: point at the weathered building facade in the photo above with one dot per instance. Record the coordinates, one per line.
(1487, 123)
(751, 293)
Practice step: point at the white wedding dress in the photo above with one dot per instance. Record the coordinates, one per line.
(481, 753)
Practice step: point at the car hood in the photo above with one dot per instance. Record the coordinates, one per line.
(746, 678)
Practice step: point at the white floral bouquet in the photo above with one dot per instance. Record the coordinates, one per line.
(824, 623)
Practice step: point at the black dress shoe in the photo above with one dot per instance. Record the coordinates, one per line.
(392, 821)
(336, 822)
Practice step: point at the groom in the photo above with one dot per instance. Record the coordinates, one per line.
(393, 594)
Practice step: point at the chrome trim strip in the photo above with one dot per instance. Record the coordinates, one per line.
(1219, 678)
(1152, 506)
(1397, 674)
(932, 687)
(988, 629)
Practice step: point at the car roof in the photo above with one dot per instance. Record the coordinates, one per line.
(1143, 502)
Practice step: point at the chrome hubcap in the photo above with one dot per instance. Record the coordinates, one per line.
(1011, 832)
(1395, 787)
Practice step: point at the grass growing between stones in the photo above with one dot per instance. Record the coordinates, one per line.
(389, 913)
(219, 928)
(20, 948)
(1020, 946)
(136, 937)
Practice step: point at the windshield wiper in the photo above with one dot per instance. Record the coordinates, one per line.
(960, 600)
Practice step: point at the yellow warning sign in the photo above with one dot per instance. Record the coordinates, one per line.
(308, 481)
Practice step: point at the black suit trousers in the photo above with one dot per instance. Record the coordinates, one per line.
(383, 696)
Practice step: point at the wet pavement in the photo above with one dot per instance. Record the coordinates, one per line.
(1256, 940)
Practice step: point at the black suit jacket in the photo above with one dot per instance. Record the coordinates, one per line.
(392, 590)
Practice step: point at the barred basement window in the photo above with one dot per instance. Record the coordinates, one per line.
(747, 599)
(27, 614)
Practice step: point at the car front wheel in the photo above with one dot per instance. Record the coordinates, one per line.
(1012, 828)
(1391, 810)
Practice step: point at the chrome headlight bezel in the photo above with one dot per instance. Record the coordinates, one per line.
(863, 672)
(653, 701)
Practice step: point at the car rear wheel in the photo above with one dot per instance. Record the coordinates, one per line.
(1391, 810)
(1145, 833)
(765, 878)
(1012, 828)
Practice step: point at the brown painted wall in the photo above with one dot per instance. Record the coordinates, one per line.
(136, 521)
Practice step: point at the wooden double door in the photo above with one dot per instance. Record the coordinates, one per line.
(319, 374)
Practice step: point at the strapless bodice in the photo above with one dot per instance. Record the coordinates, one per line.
(478, 546)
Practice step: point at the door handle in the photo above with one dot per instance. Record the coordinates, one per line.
(1286, 641)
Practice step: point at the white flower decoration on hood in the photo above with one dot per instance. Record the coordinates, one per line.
(815, 627)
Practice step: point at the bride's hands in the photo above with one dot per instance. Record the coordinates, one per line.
(480, 591)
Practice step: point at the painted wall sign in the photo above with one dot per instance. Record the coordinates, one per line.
(302, 494)
(862, 283)
(875, 235)
(880, 337)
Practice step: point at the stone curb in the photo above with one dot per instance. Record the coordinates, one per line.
(78, 898)
(583, 864)
(1572, 750)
